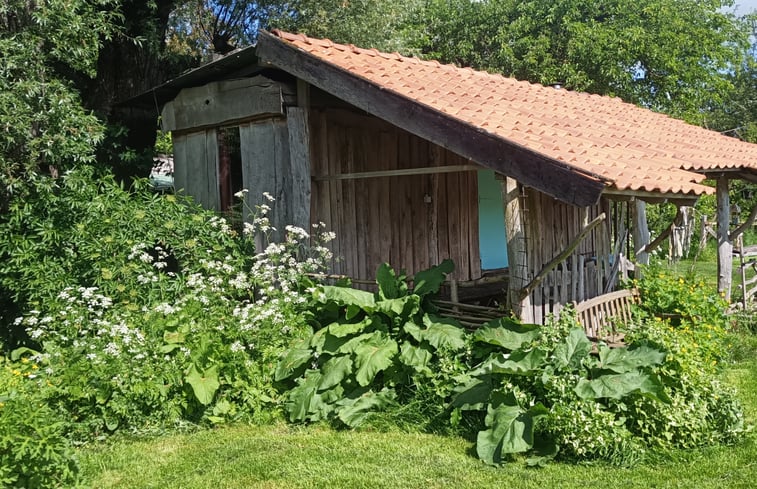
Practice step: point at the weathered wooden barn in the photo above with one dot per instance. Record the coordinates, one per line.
(412, 162)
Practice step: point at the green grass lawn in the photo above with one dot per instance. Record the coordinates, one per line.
(282, 456)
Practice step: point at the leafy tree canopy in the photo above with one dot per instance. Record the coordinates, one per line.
(667, 55)
(44, 45)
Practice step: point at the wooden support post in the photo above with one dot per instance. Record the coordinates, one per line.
(640, 232)
(299, 159)
(725, 247)
(517, 250)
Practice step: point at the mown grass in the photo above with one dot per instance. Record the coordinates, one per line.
(283, 456)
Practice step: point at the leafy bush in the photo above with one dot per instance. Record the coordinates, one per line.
(33, 450)
(147, 310)
(372, 350)
(686, 299)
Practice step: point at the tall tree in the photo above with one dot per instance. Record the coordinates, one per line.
(43, 47)
(667, 55)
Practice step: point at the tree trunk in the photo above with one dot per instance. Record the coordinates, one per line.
(126, 69)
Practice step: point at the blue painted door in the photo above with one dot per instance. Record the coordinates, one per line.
(491, 222)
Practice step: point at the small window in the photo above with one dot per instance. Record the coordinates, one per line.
(229, 165)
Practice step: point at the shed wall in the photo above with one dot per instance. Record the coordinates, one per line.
(410, 221)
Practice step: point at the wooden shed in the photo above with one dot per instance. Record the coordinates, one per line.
(412, 162)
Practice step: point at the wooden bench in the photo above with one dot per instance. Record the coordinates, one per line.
(600, 314)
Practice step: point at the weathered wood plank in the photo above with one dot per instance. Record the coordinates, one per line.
(725, 246)
(221, 102)
(298, 129)
(516, 250)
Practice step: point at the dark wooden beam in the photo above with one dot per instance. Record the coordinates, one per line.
(552, 177)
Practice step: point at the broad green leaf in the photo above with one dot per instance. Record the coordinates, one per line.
(474, 394)
(352, 311)
(350, 297)
(518, 362)
(335, 370)
(354, 412)
(205, 384)
(291, 363)
(623, 360)
(373, 356)
(416, 357)
(339, 346)
(174, 337)
(387, 282)
(510, 431)
(413, 330)
(576, 347)
(507, 333)
(340, 330)
(617, 386)
(303, 399)
(441, 333)
(403, 306)
(429, 281)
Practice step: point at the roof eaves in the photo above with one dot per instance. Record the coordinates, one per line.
(553, 177)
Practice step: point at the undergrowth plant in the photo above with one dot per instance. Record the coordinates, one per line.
(34, 452)
(371, 350)
(146, 311)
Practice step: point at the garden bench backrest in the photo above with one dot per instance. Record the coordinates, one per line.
(599, 315)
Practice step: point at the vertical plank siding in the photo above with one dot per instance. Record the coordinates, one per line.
(550, 226)
(413, 222)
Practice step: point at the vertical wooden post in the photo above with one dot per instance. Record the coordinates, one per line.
(517, 250)
(299, 159)
(725, 247)
(640, 232)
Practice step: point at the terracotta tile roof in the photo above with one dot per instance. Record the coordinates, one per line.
(634, 149)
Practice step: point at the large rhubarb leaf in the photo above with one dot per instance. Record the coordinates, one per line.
(334, 371)
(518, 362)
(292, 364)
(402, 306)
(390, 286)
(354, 411)
(346, 296)
(507, 333)
(443, 333)
(429, 281)
(510, 429)
(617, 386)
(576, 347)
(473, 395)
(416, 357)
(373, 356)
(623, 360)
(340, 330)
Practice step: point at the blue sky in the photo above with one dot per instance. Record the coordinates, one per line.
(745, 6)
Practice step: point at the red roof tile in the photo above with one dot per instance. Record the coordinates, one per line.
(633, 148)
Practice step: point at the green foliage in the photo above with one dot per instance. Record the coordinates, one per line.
(42, 121)
(370, 350)
(685, 299)
(34, 452)
(146, 310)
(668, 55)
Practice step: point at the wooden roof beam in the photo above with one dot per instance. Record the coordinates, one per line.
(549, 176)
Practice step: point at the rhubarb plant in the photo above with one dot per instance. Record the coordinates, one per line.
(366, 346)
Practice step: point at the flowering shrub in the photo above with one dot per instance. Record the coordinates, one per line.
(163, 312)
